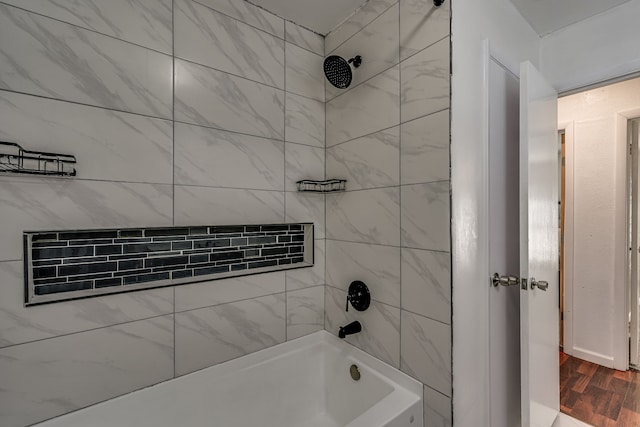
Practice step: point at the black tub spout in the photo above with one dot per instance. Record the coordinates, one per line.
(350, 329)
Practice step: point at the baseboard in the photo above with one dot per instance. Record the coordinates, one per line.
(593, 357)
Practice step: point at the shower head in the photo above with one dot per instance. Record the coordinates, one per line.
(338, 70)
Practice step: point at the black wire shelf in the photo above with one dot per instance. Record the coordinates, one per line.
(15, 159)
(328, 186)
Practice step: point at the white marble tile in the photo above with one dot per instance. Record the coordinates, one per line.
(302, 162)
(216, 158)
(306, 207)
(304, 38)
(213, 335)
(60, 204)
(304, 72)
(422, 24)
(425, 82)
(437, 409)
(210, 38)
(426, 351)
(108, 145)
(143, 22)
(249, 14)
(47, 378)
(426, 221)
(215, 292)
(426, 283)
(57, 60)
(370, 161)
(208, 97)
(368, 108)
(377, 266)
(377, 43)
(304, 121)
(19, 324)
(227, 206)
(367, 13)
(424, 152)
(309, 276)
(380, 334)
(305, 312)
(367, 216)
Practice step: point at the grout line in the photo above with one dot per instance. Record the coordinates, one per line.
(235, 300)
(396, 64)
(362, 28)
(173, 175)
(451, 413)
(388, 246)
(437, 391)
(388, 128)
(400, 197)
(284, 184)
(324, 275)
(284, 19)
(209, 67)
(396, 307)
(86, 28)
(391, 186)
(246, 23)
(84, 104)
(87, 330)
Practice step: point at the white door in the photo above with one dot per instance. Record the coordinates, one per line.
(504, 245)
(539, 335)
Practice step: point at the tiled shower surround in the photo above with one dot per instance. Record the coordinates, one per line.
(180, 113)
(185, 112)
(75, 264)
(388, 135)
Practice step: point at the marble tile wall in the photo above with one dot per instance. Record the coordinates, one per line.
(388, 135)
(179, 112)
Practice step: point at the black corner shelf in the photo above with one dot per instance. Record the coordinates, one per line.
(328, 186)
(15, 159)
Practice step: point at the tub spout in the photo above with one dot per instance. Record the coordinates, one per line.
(351, 328)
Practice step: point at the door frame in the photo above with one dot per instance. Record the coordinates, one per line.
(620, 353)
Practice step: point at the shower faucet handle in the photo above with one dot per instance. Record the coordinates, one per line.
(358, 295)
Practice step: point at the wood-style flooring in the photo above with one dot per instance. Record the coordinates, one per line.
(597, 395)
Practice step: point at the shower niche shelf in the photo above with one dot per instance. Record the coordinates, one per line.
(328, 186)
(15, 159)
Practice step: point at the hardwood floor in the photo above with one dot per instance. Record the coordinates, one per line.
(597, 395)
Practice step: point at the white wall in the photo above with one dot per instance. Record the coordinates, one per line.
(596, 49)
(512, 40)
(96, 79)
(597, 151)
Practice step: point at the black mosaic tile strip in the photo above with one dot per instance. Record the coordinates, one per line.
(75, 264)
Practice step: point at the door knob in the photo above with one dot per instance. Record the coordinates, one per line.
(542, 285)
(496, 280)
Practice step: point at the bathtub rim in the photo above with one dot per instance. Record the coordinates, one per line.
(405, 388)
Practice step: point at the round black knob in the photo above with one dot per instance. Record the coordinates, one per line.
(358, 295)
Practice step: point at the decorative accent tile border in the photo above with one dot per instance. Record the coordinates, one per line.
(63, 265)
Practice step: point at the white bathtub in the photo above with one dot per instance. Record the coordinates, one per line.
(301, 383)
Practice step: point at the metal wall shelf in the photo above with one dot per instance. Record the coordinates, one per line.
(15, 159)
(328, 186)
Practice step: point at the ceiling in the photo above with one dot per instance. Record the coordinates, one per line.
(320, 16)
(547, 16)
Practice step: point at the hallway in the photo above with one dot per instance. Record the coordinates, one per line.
(597, 395)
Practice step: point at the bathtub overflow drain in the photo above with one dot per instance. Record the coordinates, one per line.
(355, 372)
